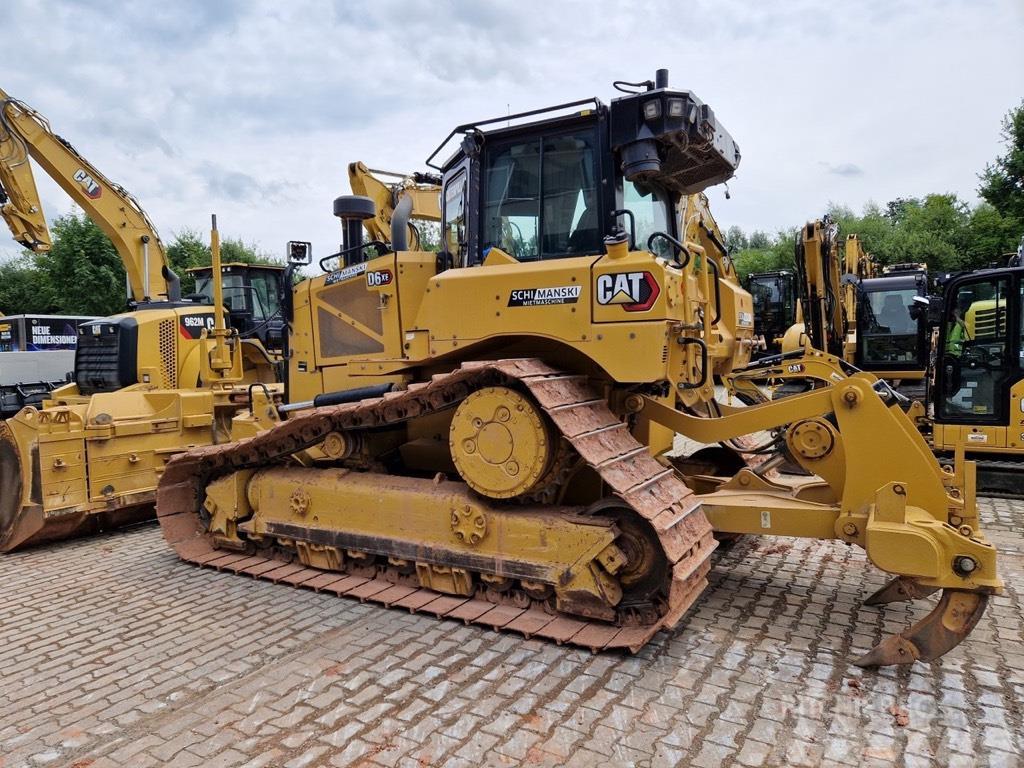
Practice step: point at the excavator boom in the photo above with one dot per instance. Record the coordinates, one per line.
(423, 191)
(24, 133)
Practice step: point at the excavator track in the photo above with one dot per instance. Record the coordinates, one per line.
(581, 415)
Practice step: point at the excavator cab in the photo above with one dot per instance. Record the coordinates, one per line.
(892, 334)
(774, 295)
(979, 375)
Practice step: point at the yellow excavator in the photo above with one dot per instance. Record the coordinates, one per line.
(853, 309)
(165, 376)
(975, 403)
(486, 433)
(881, 320)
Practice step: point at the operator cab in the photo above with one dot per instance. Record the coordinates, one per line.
(774, 296)
(892, 331)
(981, 350)
(556, 187)
(252, 296)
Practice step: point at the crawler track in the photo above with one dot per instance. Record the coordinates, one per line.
(577, 410)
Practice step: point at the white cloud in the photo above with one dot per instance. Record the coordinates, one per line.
(252, 110)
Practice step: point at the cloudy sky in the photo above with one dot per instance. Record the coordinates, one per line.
(252, 109)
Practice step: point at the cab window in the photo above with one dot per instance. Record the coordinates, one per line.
(651, 210)
(889, 332)
(455, 217)
(975, 350)
(264, 296)
(541, 197)
(233, 291)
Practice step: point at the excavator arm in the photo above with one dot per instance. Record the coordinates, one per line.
(424, 191)
(19, 200)
(24, 133)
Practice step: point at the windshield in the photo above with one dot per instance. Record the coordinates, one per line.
(650, 206)
(264, 295)
(888, 332)
(234, 292)
(541, 197)
(977, 363)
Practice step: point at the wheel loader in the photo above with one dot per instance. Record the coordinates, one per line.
(486, 433)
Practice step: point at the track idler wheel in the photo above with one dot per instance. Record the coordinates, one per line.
(646, 572)
(500, 442)
(948, 623)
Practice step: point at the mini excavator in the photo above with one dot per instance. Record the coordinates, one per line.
(485, 433)
(851, 308)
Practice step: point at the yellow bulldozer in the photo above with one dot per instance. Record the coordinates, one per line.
(486, 433)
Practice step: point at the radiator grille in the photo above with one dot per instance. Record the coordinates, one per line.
(97, 359)
(985, 322)
(168, 368)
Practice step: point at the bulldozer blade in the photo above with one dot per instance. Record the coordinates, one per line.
(23, 520)
(948, 623)
(899, 590)
(12, 488)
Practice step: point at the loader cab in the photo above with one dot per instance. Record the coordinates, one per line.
(555, 187)
(252, 296)
(979, 375)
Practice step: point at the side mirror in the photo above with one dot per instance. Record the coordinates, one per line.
(299, 252)
(928, 307)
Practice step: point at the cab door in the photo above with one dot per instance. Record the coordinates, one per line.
(978, 375)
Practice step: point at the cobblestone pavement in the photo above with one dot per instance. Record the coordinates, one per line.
(114, 653)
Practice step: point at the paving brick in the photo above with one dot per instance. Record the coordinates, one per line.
(117, 654)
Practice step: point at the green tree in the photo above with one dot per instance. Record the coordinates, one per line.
(990, 238)
(736, 239)
(189, 250)
(772, 254)
(22, 289)
(1002, 181)
(933, 231)
(82, 274)
(759, 240)
(430, 235)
